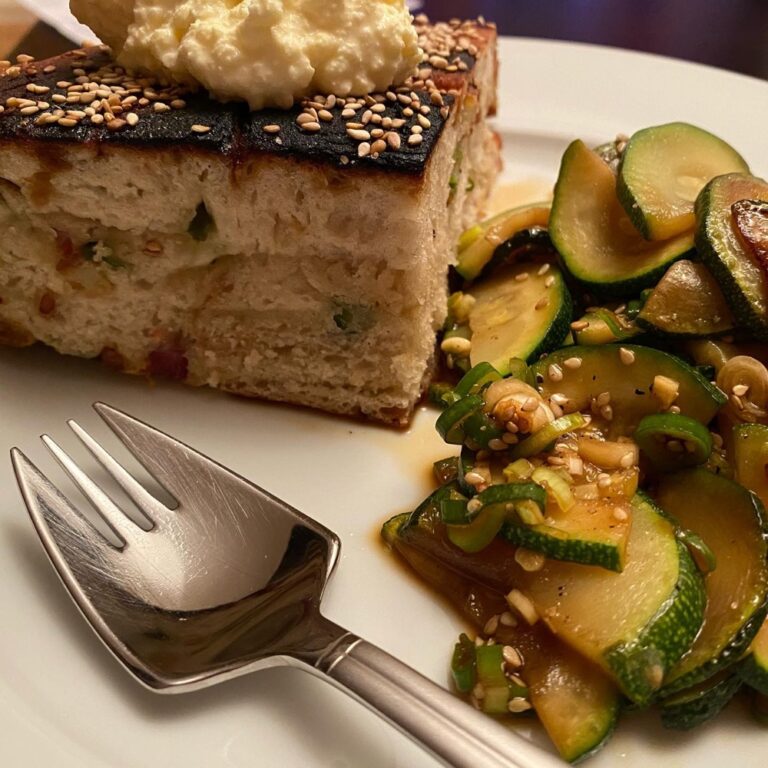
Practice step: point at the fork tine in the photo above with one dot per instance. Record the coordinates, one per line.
(120, 524)
(141, 497)
(53, 515)
(173, 464)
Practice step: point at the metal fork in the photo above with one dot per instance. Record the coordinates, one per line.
(228, 582)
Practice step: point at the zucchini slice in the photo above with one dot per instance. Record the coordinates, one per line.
(587, 372)
(750, 452)
(687, 302)
(520, 312)
(635, 624)
(672, 441)
(733, 523)
(597, 241)
(603, 327)
(662, 171)
(577, 703)
(478, 243)
(695, 705)
(590, 532)
(754, 669)
(733, 260)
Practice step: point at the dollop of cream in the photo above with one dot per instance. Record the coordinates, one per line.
(265, 52)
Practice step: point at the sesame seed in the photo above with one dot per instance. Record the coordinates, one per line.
(132, 118)
(271, 128)
(627, 356)
(424, 122)
(558, 398)
(579, 325)
(116, 124)
(620, 514)
(740, 390)
(347, 113)
(377, 133)
(30, 110)
(627, 460)
(305, 117)
(530, 404)
(555, 372)
(607, 412)
(603, 480)
(507, 619)
(517, 705)
(97, 119)
(408, 112)
(497, 445)
(393, 139)
(358, 134)
(417, 129)
(325, 115)
(512, 657)
(541, 303)
(603, 399)
(522, 605)
(59, 98)
(378, 147)
(67, 122)
(378, 108)
(491, 625)
(160, 107)
(178, 103)
(311, 127)
(573, 363)
(543, 269)
(522, 276)
(197, 128)
(414, 139)
(50, 68)
(366, 118)
(363, 149)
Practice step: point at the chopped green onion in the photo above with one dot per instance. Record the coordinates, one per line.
(540, 441)
(556, 486)
(475, 379)
(450, 423)
(464, 664)
(518, 470)
(672, 441)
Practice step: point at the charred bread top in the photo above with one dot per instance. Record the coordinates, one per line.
(83, 96)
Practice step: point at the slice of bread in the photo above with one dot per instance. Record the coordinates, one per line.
(174, 236)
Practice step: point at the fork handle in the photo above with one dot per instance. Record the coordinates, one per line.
(450, 729)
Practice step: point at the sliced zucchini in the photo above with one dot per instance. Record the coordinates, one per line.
(576, 702)
(733, 259)
(597, 241)
(687, 302)
(589, 532)
(518, 313)
(695, 705)
(478, 243)
(602, 326)
(673, 441)
(635, 624)
(732, 522)
(753, 670)
(627, 373)
(662, 171)
(750, 453)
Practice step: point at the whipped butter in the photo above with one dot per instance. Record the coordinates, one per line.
(265, 52)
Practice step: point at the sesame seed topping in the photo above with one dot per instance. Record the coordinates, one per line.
(541, 303)
(573, 363)
(555, 372)
(740, 390)
(414, 139)
(627, 356)
(132, 118)
(197, 128)
(522, 277)
(378, 147)
(347, 113)
(579, 325)
(358, 134)
(311, 127)
(363, 149)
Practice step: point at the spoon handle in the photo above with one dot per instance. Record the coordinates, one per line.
(450, 729)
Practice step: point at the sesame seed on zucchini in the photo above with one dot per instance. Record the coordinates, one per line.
(519, 312)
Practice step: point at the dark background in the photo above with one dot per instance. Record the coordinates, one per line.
(732, 34)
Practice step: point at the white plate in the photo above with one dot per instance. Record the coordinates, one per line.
(64, 702)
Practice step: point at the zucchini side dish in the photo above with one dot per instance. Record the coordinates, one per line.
(600, 522)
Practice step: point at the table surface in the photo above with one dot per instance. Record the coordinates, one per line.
(732, 34)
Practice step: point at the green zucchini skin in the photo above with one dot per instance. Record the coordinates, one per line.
(744, 285)
(592, 233)
(668, 635)
(504, 322)
(601, 369)
(715, 490)
(545, 539)
(753, 670)
(695, 706)
(657, 150)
